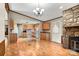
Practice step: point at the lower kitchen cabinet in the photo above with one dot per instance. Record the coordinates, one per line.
(45, 36)
(13, 37)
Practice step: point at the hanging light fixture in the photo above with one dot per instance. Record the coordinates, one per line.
(38, 11)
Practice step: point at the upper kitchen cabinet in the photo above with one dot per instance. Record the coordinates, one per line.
(28, 26)
(45, 25)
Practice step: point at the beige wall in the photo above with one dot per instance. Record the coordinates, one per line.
(56, 30)
(3, 17)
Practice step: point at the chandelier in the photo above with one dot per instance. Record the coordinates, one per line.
(38, 11)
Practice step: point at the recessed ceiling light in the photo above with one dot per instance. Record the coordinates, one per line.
(61, 7)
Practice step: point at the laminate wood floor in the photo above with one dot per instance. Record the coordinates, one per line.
(37, 48)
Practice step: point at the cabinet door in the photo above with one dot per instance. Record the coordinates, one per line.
(13, 37)
(11, 24)
(2, 48)
(45, 26)
(45, 36)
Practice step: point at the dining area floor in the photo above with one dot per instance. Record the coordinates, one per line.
(37, 48)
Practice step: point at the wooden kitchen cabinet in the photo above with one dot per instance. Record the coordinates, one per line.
(45, 25)
(11, 24)
(45, 36)
(30, 26)
(27, 26)
(13, 37)
(2, 48)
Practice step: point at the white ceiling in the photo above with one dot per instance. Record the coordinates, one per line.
(52, 10)
(19, 19)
